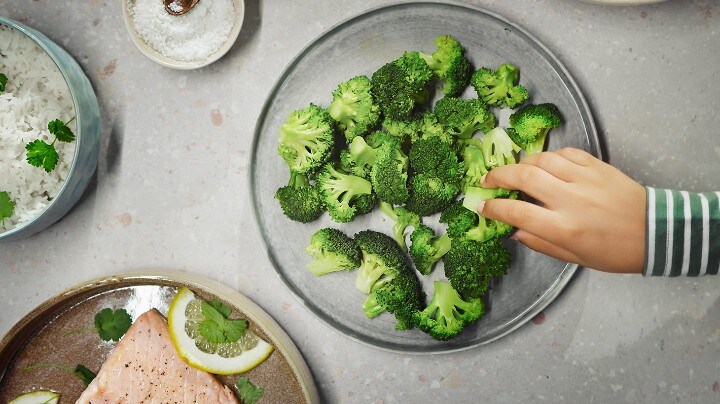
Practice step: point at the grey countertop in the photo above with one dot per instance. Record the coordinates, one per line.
(171, 192)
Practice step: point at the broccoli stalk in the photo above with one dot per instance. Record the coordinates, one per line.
(307, 139)
(402, 218)
(345, 195)
(353, 108)
(531, 124)
(498, 148)
(474, 163)
(332, 251)
(487, 228)
(447, 314)
(498, 87)
(299, 200)
(426, 250)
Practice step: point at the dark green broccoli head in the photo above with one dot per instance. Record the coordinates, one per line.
(432, 128)
(365, 204)
(530, 125)
(403, 219)
(450, 65)
(425, 249)
(390, 172)
(429, 194)
(498, 149)
(382, 259)
(469, 264)
(447, 314)
(404, 129)
(402, 296)
(353, 108)
(459, 219)
(400, 85)
(307, 139)
(332, 250)
(434, 156)
(299, 200)
(379, 138)
(498, 87)
(462, 117)
(340, 192)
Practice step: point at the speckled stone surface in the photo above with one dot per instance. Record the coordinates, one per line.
(171, 191)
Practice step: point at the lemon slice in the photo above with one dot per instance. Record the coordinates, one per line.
(37, 397)
(184, 318)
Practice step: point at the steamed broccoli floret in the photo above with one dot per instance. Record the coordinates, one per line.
(400, 85)
(459, 219)
(531, 124)
(299, 200)
(332, 250)
(306, 139)
(487, 228)
(498, 87)
(384, 274)
(450, 65)
(447, 314)
(386, 165)
(463, 117)
(473, 163)
(431, 127)
(469, 264)
(403, 219)
(498, 148)
(437, 176)
(404, 129)
(342, 192)
(353, 108)
(425, 249)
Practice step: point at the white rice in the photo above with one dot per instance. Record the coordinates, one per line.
(36, 94)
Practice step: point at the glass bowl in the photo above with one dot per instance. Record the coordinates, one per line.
(359, 46)
(87, 142)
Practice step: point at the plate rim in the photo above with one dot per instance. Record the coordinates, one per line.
(155, 276)
(531, 311)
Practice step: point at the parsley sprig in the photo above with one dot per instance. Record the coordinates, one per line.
(110, 325)
(80, 371)
(217, 327)
(3, 82)
(43, 154)
(249, 394)
(7, 206)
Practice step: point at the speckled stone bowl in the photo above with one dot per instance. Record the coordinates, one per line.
(87, 134)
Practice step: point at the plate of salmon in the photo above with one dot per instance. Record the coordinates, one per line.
(152, 337)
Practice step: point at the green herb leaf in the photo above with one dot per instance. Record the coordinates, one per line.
(112, 325)
(3, 82)
(84, 374)
(216, 327)
(42, 154)
(7, 206)
(249, 394)
(61, 131)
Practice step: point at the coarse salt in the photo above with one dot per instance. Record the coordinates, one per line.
(189, 37)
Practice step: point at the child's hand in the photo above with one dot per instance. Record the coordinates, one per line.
(593, 214)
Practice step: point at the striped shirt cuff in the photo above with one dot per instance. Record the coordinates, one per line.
(683, 233)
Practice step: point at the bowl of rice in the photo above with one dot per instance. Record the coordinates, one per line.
(42, 87)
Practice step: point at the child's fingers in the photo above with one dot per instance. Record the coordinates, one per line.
(555, 164)
(527, 178)
(520, 214)
(536, 243)
(577, 156)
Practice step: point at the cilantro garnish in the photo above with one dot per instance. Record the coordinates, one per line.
(109, 324)
(249, 394)
(217, 328)
(7, 206)
(80, 371)
(3, 82)
(43, 154)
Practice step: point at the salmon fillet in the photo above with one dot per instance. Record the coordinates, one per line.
(144, 367)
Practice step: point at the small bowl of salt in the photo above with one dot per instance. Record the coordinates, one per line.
(187, 41)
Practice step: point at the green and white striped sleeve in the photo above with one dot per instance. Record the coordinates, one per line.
(683, 233)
